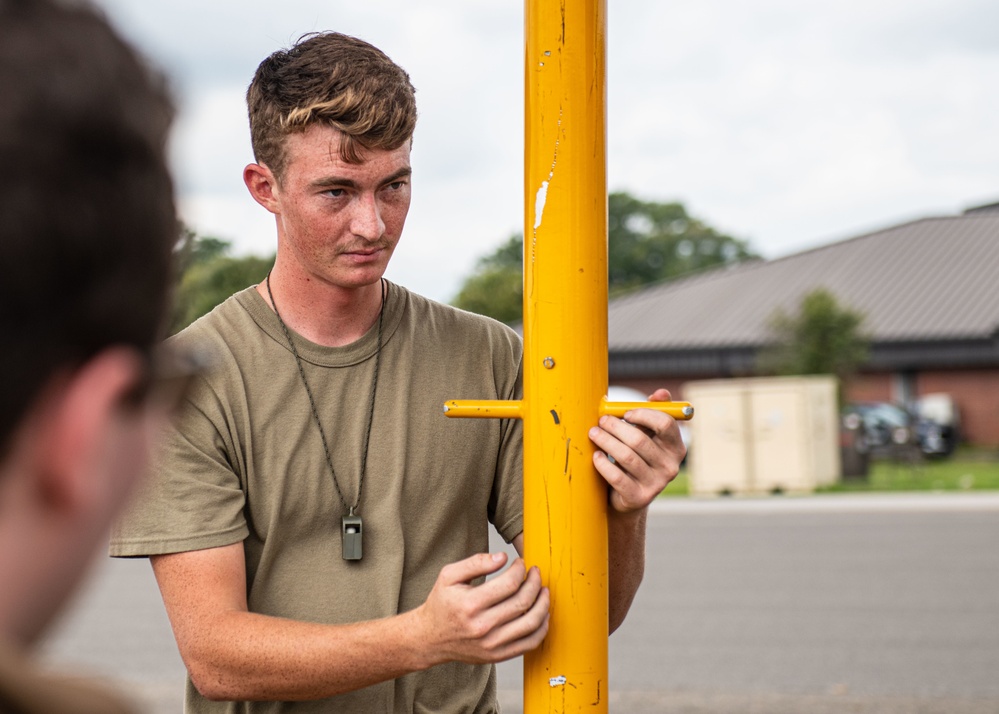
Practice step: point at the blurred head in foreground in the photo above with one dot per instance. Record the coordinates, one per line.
(87, 226)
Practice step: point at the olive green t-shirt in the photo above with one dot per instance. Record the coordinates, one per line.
(245, 462)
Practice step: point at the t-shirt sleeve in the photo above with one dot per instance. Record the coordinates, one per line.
(507, 499)
(192, 497)
(508, 493)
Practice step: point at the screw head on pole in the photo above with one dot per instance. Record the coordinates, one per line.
(549, 363)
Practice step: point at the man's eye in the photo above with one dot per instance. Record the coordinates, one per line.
(396, 185)
(335, 192)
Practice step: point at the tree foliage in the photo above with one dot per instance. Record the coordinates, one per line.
(207, 275)
(822, 338)
(496, 288)
(647, 242)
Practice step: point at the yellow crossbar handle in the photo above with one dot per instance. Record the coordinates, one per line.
(681, 411)
(498, 409)
(490, 409)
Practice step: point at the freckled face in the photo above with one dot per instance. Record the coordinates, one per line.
(339, 221)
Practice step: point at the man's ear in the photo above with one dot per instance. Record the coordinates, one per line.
(78, 422)
(263, 186)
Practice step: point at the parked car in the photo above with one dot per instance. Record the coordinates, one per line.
(888, 429)
(881, 428)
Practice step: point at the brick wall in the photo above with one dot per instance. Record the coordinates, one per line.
(976, 393)
(869, 388)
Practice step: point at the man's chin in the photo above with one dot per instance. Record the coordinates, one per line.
(364, 270)
(359, 278)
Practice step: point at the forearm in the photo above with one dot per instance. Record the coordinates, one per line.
(626, 561)
(247, 656)
(234, 654)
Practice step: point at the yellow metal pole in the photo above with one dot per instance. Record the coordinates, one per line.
(565, 347)
(565, 350)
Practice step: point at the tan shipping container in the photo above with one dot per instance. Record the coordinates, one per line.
(763, 435)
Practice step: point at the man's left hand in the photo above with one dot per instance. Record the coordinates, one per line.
(638, 455)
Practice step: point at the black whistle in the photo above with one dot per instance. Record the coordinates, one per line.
(352, 528)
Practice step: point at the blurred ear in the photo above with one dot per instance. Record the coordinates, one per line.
(263, 186)
(78, 422)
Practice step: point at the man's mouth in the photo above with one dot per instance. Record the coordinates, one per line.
(368, 250)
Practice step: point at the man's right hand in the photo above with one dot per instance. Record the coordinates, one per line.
(493, 621)
(234, 654)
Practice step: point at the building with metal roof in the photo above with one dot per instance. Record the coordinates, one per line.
(928, 291)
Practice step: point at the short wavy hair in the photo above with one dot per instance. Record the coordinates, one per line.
(332, 79)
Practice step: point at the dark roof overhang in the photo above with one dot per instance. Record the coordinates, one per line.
(896, 356)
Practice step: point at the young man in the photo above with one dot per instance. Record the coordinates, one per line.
(318, 528)
(87, 226)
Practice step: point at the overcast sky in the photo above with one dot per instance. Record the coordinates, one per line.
(787, 124)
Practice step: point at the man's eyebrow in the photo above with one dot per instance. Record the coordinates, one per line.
(342, 182)
(404, 172)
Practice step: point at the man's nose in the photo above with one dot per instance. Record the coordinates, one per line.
(366, 221)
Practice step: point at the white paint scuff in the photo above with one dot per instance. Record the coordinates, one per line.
(539, 204)
(542, 195)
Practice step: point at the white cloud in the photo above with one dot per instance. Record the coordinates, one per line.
(230, 216)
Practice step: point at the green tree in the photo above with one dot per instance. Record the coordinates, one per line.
(647, 242)
(207, 275)
(496, 288)
(193, 249)
(822, 338)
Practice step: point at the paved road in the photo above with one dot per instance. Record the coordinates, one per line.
(832, 604)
